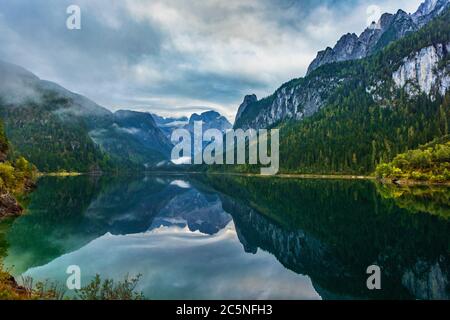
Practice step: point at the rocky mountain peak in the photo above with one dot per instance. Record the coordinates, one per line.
(302, 97)
(428, 10)
(385, 20)
(378, 35)
(211, 120)
(248, 100)
(426, 7)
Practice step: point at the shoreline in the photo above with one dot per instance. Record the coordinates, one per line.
(412, 183)
(60, 174)
(399, 183)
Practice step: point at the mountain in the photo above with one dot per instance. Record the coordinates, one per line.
(197, 210)
(378, 35)
(303, 97)
(57, 129)
(357, 113)
(210, 120)
(167, 125)
(132, 137)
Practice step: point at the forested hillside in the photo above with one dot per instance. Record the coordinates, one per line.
(367, 119)
(54, 145)
(60, 130)
(430, 162)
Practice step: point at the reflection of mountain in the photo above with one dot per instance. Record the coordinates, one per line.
(71, 212)
(199, 211)
(176, 263)
(332, 231)
(66, 214)
(329, 230)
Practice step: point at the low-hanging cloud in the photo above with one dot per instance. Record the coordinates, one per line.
(169, 55)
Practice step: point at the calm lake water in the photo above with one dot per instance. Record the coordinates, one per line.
(223, 237)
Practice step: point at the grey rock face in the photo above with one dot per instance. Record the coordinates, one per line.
(428, 10)
(210, 120)
(349, 47)
(420, 72)
(303, 97)
(291, 102)
(378, 35)
(427, 281)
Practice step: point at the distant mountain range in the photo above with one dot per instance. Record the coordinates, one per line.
(362, 102)
(167, 125)
(209, 119)
(57, 129)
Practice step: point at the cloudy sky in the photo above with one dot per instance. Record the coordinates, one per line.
(178, 56)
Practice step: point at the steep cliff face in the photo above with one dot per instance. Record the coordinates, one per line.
(428, 281)
(210, 120)
(248, 100)
(428, 10)
(293, 101)
(303, 253)
(415, 62)
(426, 71)
(349, 47)
(378, 35)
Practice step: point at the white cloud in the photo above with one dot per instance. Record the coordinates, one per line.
(177, 56)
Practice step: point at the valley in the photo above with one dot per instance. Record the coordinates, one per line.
(362, 177)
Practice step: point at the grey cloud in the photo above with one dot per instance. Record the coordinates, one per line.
(173, 53)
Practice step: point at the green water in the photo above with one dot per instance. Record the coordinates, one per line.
(221, 237)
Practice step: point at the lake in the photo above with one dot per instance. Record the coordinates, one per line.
(235, 237)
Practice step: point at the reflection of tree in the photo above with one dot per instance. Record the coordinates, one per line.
(434, 200)
(66, 214)
(333, 230)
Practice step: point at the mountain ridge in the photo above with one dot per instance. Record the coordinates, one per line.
(302, 97)
(60, 130)
(355, 114)
(379, 34)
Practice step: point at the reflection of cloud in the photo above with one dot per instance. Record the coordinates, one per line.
(177, 263)
(181, 184)
(182, 160)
